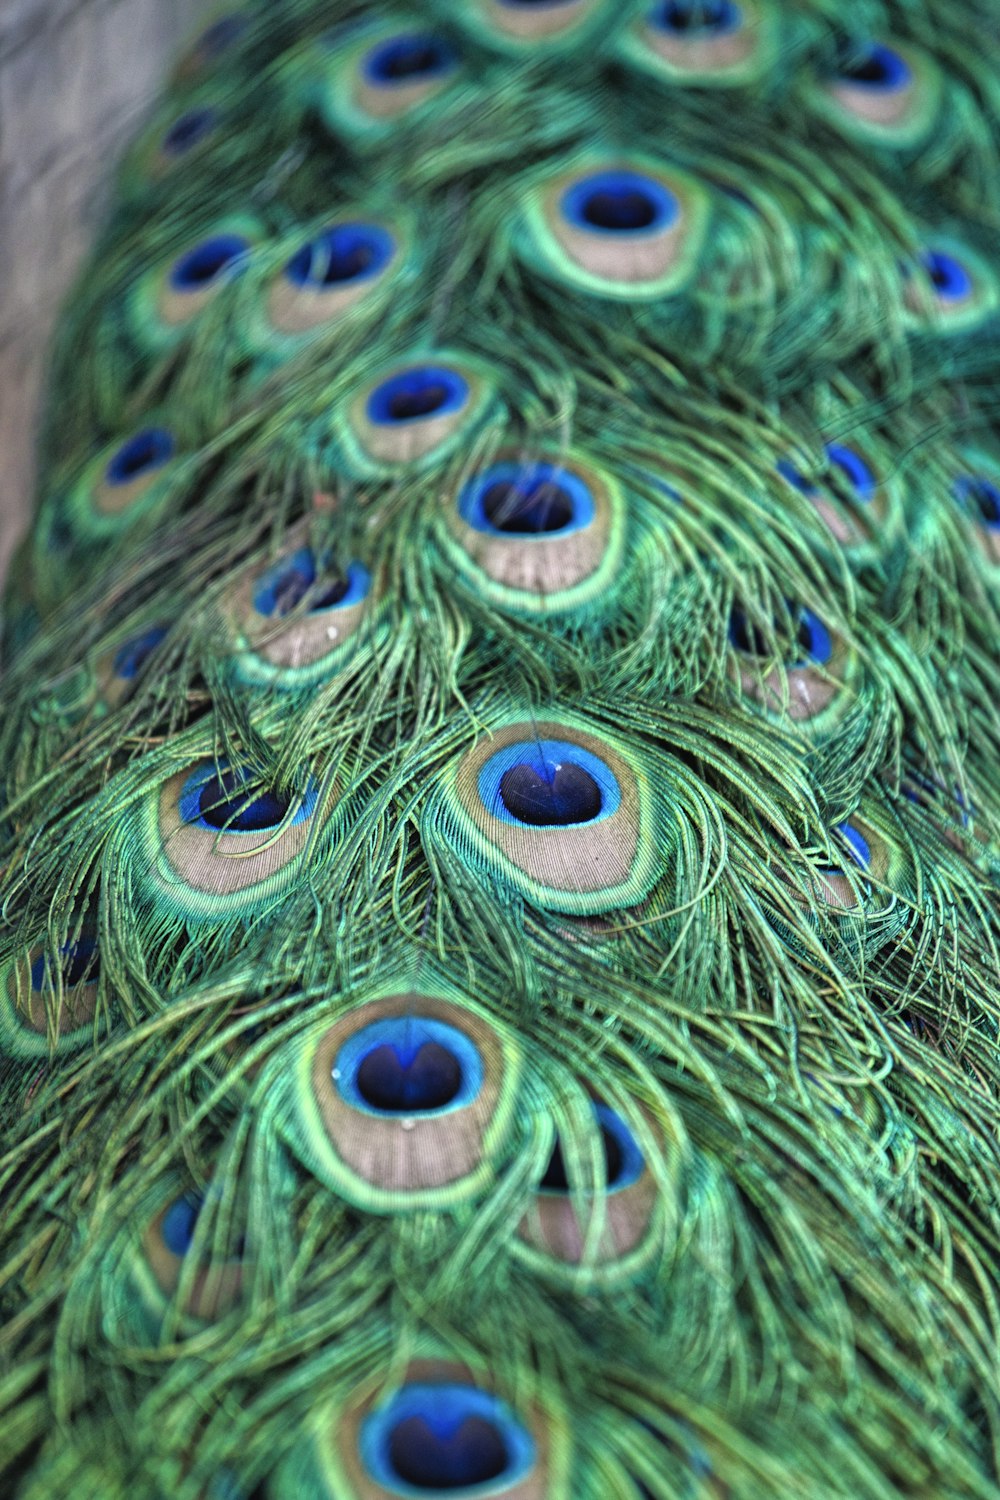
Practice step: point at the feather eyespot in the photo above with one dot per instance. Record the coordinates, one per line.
(949, 288)
(810, 667)
(118, 669)
(883, 93)
(299, 621)
(414, 413)
(220, 845)
(405, 1102)
(215, 41)
(617, 231)
(25, 987)
(537, 536)
(714, 43)
(166, 302)
(190, 130)
(210, 1289)
(382, 78)
(833, 886)
(125, 481)
(527, 23)
(978, 496)
(443, 1438)
(340, 268)
(557, 812)
(855, 475)
(440, 1430)
(568, 1224)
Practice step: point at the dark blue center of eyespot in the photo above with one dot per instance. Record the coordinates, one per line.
(547, 797)
(857, 843)
(854, 468)
(408, 1065)
(225, 803)
(341, 254)
(685, 16)
(798, 481)
(189, 130)
(811, 636)
(981, 496)
(221, 35)
(444, 1438)
(81, 964)
(148, 450)
(178, 1223)
(130, 658)
(879, 68)
(623, 1160)
(510, 499)
(199, 266)
(403, 59)
(948, 276)
(619, 203)
(390, 1079)
(422, 391)
(281, 588)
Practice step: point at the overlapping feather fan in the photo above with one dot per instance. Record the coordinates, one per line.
(498, 977)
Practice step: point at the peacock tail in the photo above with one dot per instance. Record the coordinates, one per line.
(499, 964)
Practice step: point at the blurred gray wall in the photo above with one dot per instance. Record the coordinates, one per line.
(76, 78)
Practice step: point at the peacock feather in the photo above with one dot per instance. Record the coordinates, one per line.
(499, 963)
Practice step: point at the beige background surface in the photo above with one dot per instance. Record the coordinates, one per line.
(76, 77)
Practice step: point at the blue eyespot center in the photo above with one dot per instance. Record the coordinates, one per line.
(792, 476)
(443, 1438)
(148, 450)
(222, 34)
(879, 68)
(131, 658)
(189, 130)
(811, 636)
(423, 391)
(213, 257)
(177, 1227)
(403, 59)
(854, 468)
(220, 798)
(294, 580)
(623, 1160)
(857, 844)
(341, 254)
(619, 203)
(981, 496)
(80, 963)
(548, 784)
(408, 1065)
(510, 499)
(947, 275)
(550, 796)
(696, 16)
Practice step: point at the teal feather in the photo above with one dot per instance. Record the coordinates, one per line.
(501, 843)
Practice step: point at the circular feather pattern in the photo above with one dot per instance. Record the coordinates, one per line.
(164, 303)
(882, 92)
(720, 42)
(627, 231)
(413, 412)
(217, 41)
(209, 843)
(440, 1431)
(160, 1267)
(300, 620)
(976, 490)
(26, 991)
(384, 77)
(951, 289)
(350, 263)
(814, 671)
(610, 1231)
(564, 815)
(405, 1101)
(125, 481)
(537, 536)
(530, 23)
(118, 670)
(852, 475)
